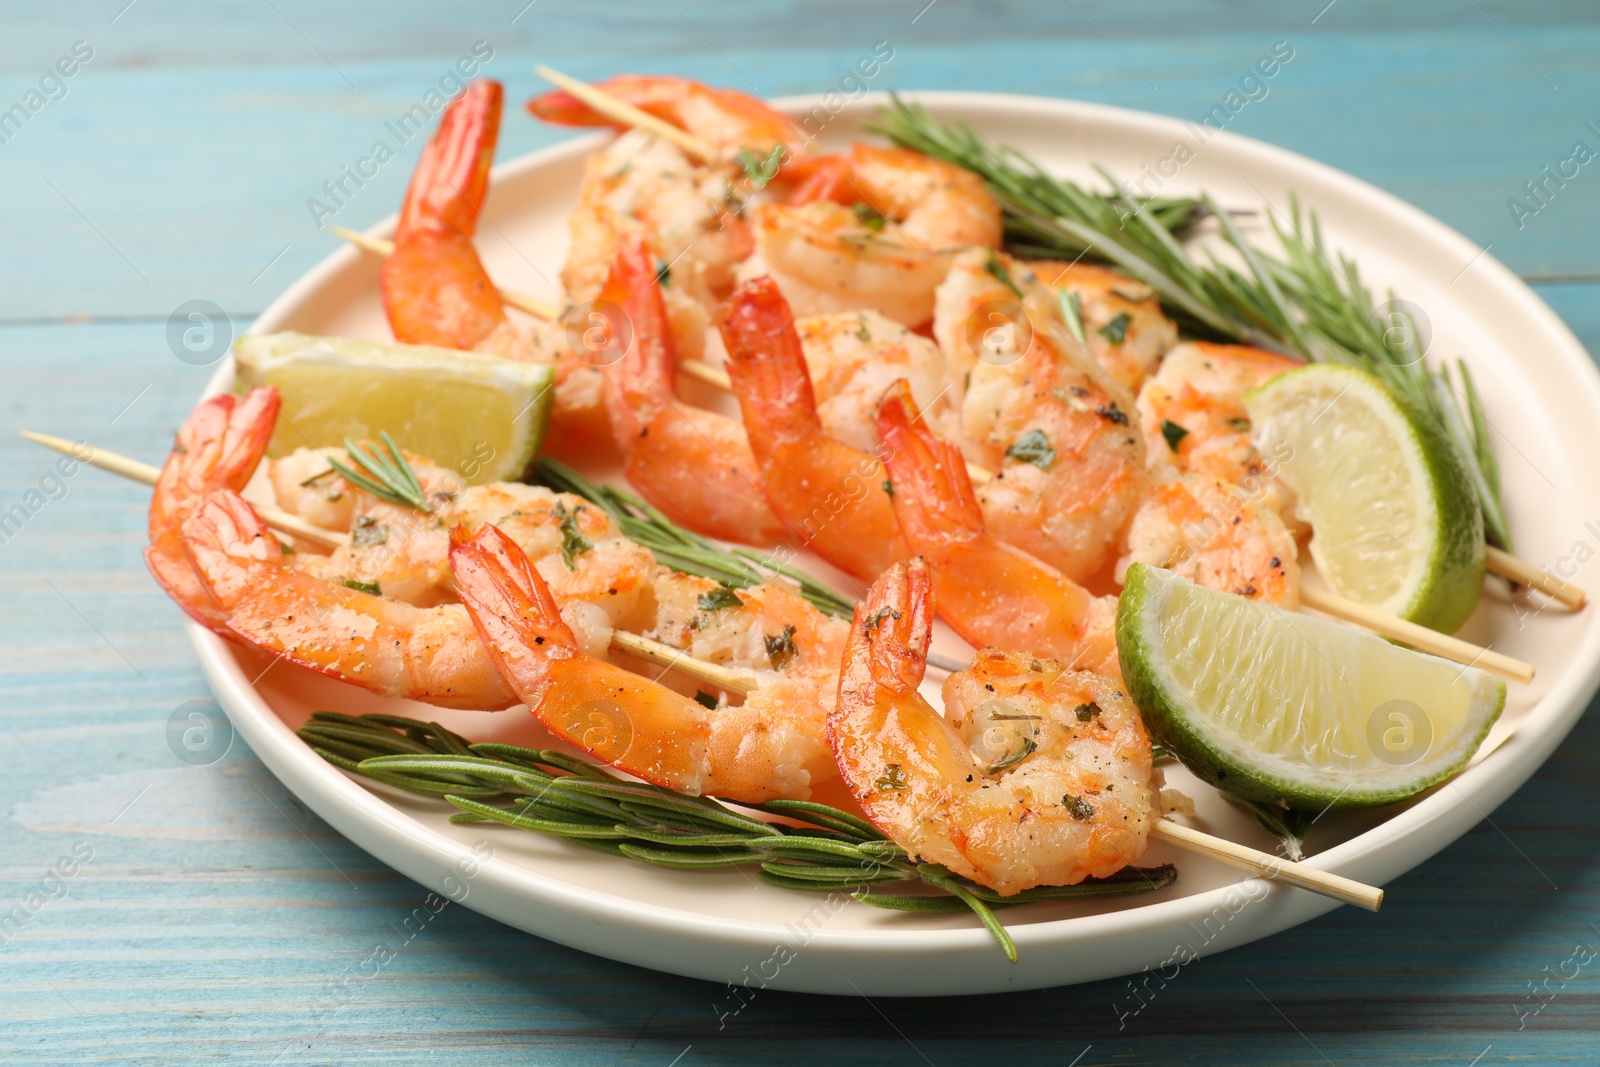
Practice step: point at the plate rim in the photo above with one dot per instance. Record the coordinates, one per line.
(1379, 853)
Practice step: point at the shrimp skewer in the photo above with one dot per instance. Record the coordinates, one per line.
(219, 446)
(693, 464)
(1034, 775)
(761, 750)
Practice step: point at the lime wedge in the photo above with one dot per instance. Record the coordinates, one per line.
(482, 416)
(1276, 706)
(1393, 512)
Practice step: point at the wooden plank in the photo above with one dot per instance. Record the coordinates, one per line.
(215, 916)
(1393, 100)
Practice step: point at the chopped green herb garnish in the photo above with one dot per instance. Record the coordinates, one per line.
(573, 543)
(1173, 433)
(663, 273)
(1033, 447)
(1116, 331)
(875, 620)
(363, 587)
(892, 778)
(761, 171)
(780, 649)
(888, 487)
(288, 549)
(998, 271)
(1077, 807)
(862, 333)
(1085, 712)
(705, 700)
(367, 532)
(1242, 425)
(869, 216)
(720, 598)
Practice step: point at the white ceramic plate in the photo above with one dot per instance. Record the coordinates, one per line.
(1543, 399)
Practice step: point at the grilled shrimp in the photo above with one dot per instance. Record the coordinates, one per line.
(991, 593)
(1039, 411)
(388, 647)
(1035, 775)
(693, 464)
(1212, 533)
(219, 446)
(831, 495)
(868, 229)
(1192, 410)
(853, 357)
(771, 746)
(435, 288)
(1122, 319)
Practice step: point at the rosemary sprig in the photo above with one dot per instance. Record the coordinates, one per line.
(682, 550)
(1299, 302)
(384, 472)
(551, 793)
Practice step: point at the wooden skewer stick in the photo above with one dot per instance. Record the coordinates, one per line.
(1419, 637)
(627, 114)
(1267, 865)
(133, 470)
(734, 681)
(1506, 565)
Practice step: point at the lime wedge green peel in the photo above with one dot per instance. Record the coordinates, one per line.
(1393, 512)
(482, 416)
(1284, 708)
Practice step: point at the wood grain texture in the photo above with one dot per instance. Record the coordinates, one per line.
(215, 917)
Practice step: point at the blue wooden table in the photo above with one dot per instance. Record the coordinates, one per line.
(176, 911)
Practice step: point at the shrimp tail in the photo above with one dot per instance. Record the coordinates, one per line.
(767, 366)
(933, 498)
(435, 288)
(640, 382)
(511, 606)
(222, 538)
(613, 714)
(219, 446)
(890, 632)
